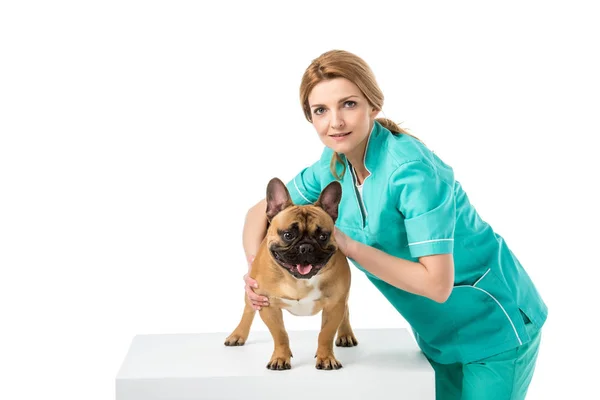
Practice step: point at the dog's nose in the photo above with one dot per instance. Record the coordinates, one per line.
(306, 248)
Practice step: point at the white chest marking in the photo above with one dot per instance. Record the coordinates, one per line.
(306, 305)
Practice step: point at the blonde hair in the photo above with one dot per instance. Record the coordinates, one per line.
(343, 64)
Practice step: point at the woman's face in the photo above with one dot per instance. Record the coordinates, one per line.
(341, 115)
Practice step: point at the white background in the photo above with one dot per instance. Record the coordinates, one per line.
(136, 135)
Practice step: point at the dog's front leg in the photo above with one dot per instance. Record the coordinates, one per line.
(239, 336)
(331, 319)
(345, 335)
(273, 319)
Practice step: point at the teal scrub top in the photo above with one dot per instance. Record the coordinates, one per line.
(412, 206)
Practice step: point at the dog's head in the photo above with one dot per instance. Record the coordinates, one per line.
(300, 237)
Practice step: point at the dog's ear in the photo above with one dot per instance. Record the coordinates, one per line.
(330, 199)
(278, 198)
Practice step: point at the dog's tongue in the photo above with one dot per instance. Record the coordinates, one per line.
(304, 269)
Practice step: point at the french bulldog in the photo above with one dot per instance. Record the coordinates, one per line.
(300, 269)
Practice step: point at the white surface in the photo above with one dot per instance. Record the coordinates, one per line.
(199, 366)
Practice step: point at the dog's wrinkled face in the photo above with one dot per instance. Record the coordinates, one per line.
(302, 245)
(300, 238)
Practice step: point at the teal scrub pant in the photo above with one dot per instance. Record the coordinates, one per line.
(504, 376)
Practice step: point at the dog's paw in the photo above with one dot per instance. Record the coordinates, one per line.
(328, 362)
(346, 340)
(235, 340)
(279, 363)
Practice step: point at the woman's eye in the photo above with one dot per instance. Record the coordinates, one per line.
(318, 111)
(350, 103)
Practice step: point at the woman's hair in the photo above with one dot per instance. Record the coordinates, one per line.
(342, 64)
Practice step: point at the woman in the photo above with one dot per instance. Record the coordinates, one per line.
(408, 225)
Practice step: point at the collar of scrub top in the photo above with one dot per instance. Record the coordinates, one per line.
(374, 142)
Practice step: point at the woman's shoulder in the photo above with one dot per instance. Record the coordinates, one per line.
(404, 148)
(406, 153)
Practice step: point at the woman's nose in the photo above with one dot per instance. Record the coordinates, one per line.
(336, 121)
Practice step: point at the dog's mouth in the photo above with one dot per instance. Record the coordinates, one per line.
(300, 270)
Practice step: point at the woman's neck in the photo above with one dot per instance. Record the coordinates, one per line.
(356, 159)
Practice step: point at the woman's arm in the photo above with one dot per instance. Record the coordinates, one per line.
(432, 276)
(255, 229)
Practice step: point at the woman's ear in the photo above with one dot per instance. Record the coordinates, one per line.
(374, 113)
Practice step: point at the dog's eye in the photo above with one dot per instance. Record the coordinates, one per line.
(288, 236)
(323, 237)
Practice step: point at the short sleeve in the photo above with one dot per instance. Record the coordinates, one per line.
(305, 188)
(426, 200)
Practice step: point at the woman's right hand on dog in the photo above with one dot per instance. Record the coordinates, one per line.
(256, 300)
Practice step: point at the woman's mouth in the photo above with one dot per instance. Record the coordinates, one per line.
(339, 136)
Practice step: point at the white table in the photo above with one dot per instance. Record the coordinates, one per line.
(386, 364)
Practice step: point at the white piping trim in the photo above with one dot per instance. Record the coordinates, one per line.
(429, 241)
(500, 305)
(486, 272)
(301, 192)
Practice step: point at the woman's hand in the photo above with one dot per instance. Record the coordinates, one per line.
(344, 242)
(250, 284)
